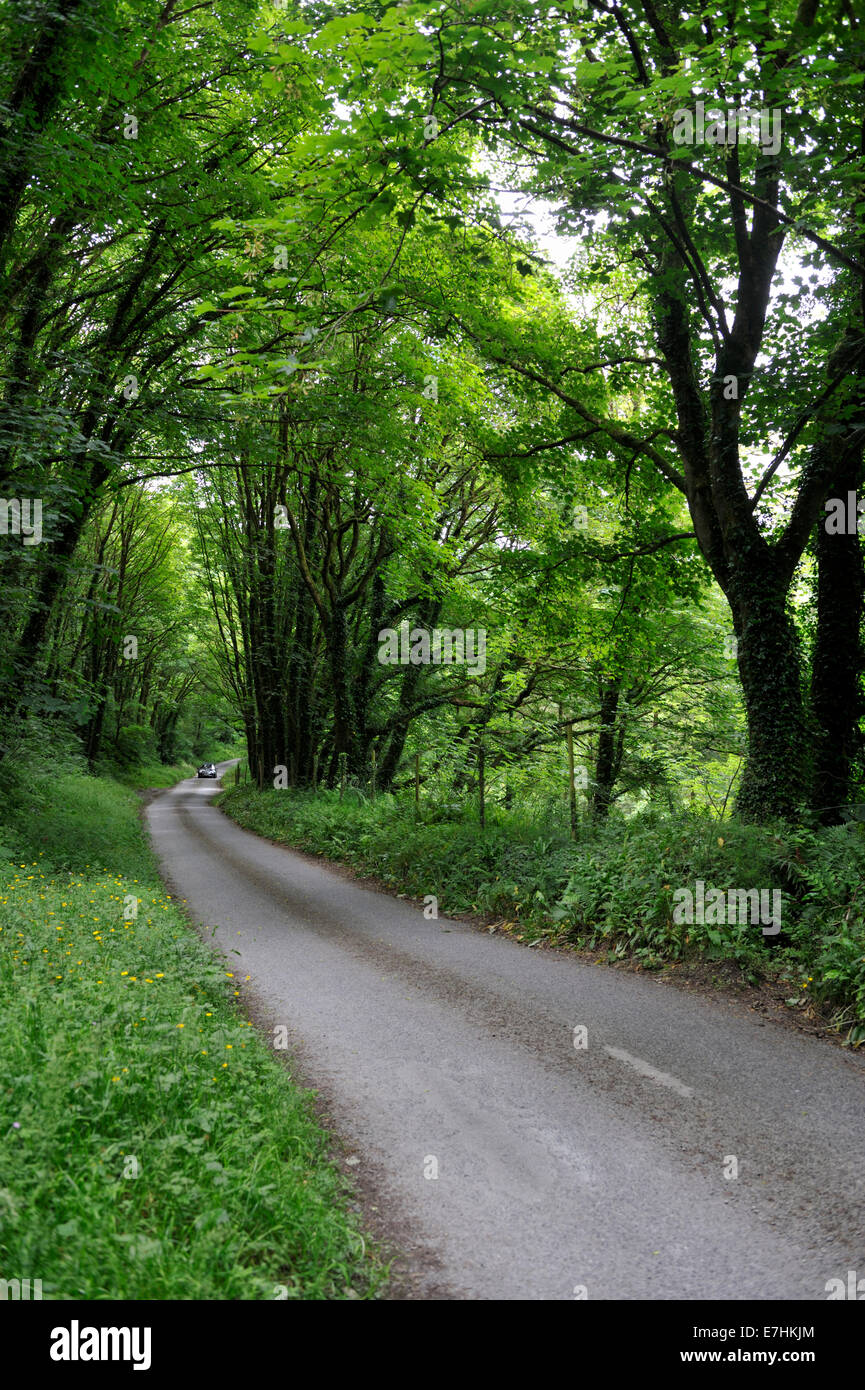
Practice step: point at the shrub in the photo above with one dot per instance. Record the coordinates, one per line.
(135, 745)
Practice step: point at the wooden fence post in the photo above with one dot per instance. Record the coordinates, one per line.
(481, 788)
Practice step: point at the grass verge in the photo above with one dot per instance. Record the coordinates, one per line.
(151, 1147)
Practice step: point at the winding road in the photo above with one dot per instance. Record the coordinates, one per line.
(500, 1156)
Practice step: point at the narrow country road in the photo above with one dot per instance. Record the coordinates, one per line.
(560, 1170)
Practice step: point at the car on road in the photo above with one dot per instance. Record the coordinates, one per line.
(207, 770)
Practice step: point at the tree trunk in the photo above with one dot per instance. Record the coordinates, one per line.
(836, 670)
(774, 779)
(605, 763)
(838, 660)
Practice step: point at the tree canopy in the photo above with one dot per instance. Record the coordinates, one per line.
(291, 371)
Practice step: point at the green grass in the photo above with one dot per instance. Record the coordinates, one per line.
(155, 775)
(151, 1145)
(84, 823)
(613, 890)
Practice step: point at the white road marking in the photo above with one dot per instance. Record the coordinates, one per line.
(663, 1078)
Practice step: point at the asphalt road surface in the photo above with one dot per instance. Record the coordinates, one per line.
(505, 1161)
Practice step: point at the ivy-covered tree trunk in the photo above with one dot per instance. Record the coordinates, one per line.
(838, 658)
(30, 646)
(609, 757)
(428, 616)
(348, 737)
(837, 666)
(267, 663)
(301, 705)
(754, 572)
(774, 780)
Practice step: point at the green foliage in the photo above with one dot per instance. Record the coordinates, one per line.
(827, 872)
(315, 304)
(153, 775)
(135, 745)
